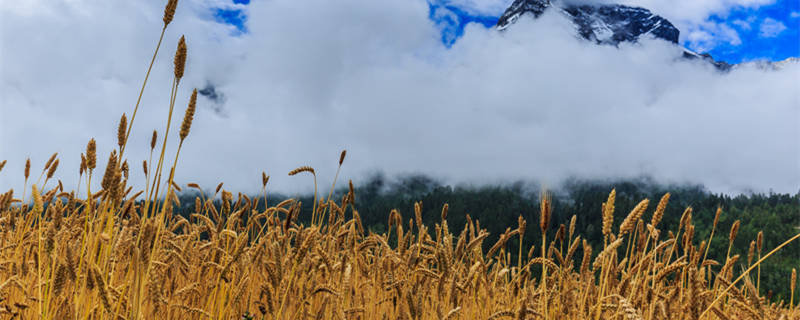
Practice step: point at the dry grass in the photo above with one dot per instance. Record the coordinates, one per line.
(120, 253)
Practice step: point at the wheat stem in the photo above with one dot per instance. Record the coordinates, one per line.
(795, 237)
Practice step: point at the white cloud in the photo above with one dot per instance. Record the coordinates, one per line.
(742, 24)
(746, 24)
(678, 11)
(683, 12)
(691, 17)
(695, 11)
(314, 77)
(770, 28)
(708, 35)
(795, 14)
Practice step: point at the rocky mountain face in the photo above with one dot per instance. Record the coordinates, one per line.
(520, 7)
(606, 24)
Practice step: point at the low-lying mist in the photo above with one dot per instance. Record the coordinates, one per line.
(310, 78)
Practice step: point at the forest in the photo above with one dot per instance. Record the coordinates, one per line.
(498, 207)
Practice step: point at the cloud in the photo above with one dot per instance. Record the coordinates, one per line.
(685, 12)
(682, 12)
(311, 78)
(705, 25)
(770, 28)
(794, 15)
(702, 22)
(448, 21)
(746, 24)
(708, 35)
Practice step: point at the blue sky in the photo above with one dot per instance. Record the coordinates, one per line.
(233, 15)
(768, 32)
(452, 20)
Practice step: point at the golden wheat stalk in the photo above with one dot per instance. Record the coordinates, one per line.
(313, 173)
(169, 13)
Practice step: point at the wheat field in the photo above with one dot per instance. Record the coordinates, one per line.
(117, 251)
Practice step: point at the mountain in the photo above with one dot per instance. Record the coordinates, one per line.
(606, 24)
(721, 65)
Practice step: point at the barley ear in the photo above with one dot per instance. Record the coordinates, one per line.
(760, 241)
(545, 210)
(153, 140)
(52, 169)
(83, 164)
(180, 58)
(659, 214)
(111, 168)
(38, 204)
(608, 212)
(572, 222)
(27, 168)
(630, 221)
(125, 169)
(734, 230)
(189, 116)
(341, 157)
(91, 155)
(50, 161)
(169, 11)
(716, 217)
(301, 169)
(121, 129)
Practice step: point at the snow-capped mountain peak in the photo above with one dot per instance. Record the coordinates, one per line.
(520, 7)
(606, 24)
(602, 23)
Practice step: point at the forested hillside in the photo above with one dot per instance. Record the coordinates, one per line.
(497, 207)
